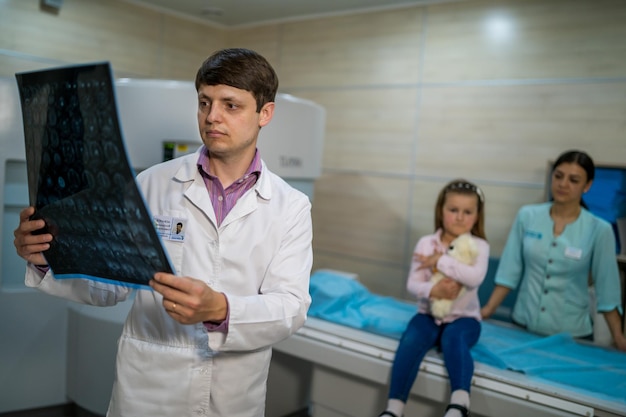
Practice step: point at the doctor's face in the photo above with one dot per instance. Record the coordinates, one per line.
(228, 121)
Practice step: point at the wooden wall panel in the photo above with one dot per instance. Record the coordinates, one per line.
(139, 42)
(361, 216)
(98, 30)
(481, 40)
(502, 203)
(264, 39)
(422, 216)
(13, 21)
(9, 65)
(185, 45)
(511, 131)
(364, 49)
(368, 129)
(88, 31)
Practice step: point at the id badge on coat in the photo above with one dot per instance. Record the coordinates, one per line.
(170, 228)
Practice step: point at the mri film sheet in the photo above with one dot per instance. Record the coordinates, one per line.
(80, 180)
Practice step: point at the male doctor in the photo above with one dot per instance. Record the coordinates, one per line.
(199, 344)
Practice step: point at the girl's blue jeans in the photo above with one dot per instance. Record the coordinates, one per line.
(422, 333)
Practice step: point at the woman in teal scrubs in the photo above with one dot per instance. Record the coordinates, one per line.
(554, 251)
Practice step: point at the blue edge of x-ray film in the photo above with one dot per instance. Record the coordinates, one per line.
(136, 285)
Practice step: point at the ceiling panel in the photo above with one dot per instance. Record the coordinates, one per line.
(238, 13)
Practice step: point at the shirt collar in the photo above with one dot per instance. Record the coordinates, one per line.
(253, 169)
(436, 239)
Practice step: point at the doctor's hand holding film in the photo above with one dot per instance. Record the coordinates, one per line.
(30, 246)
(189, 300)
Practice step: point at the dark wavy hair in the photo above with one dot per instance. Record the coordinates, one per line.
(240, 68)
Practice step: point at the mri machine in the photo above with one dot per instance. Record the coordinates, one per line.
(338, 364)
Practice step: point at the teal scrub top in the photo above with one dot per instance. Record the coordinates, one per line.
(553, 272)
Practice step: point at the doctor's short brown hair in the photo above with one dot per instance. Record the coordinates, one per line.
(240, 68)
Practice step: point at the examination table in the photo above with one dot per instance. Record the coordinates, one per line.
(351, 336)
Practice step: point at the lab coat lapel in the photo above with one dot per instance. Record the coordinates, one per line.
(246, 204)
(249, 202)
(196, 192)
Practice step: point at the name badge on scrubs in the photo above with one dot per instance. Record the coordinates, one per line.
(532, 234)
(573, 253)
(170, 228)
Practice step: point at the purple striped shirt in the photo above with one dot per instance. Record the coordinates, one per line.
(223, 200)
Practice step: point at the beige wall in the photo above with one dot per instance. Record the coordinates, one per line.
(138, 42)
(415, 97)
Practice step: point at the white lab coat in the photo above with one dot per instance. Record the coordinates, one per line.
(260, 257)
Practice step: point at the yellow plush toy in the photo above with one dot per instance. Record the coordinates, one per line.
(464, 249)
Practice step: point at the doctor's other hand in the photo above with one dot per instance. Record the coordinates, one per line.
(28, 245)
(446, 289)
(189, 300)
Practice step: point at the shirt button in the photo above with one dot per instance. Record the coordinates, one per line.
(553, 243)
(549, 261)
(545, 291)
(547, 276)
(220, 198)
(543, 309)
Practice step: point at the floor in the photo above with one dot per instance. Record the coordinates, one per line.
(66, 410)
(301, 413)
(71, 410)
